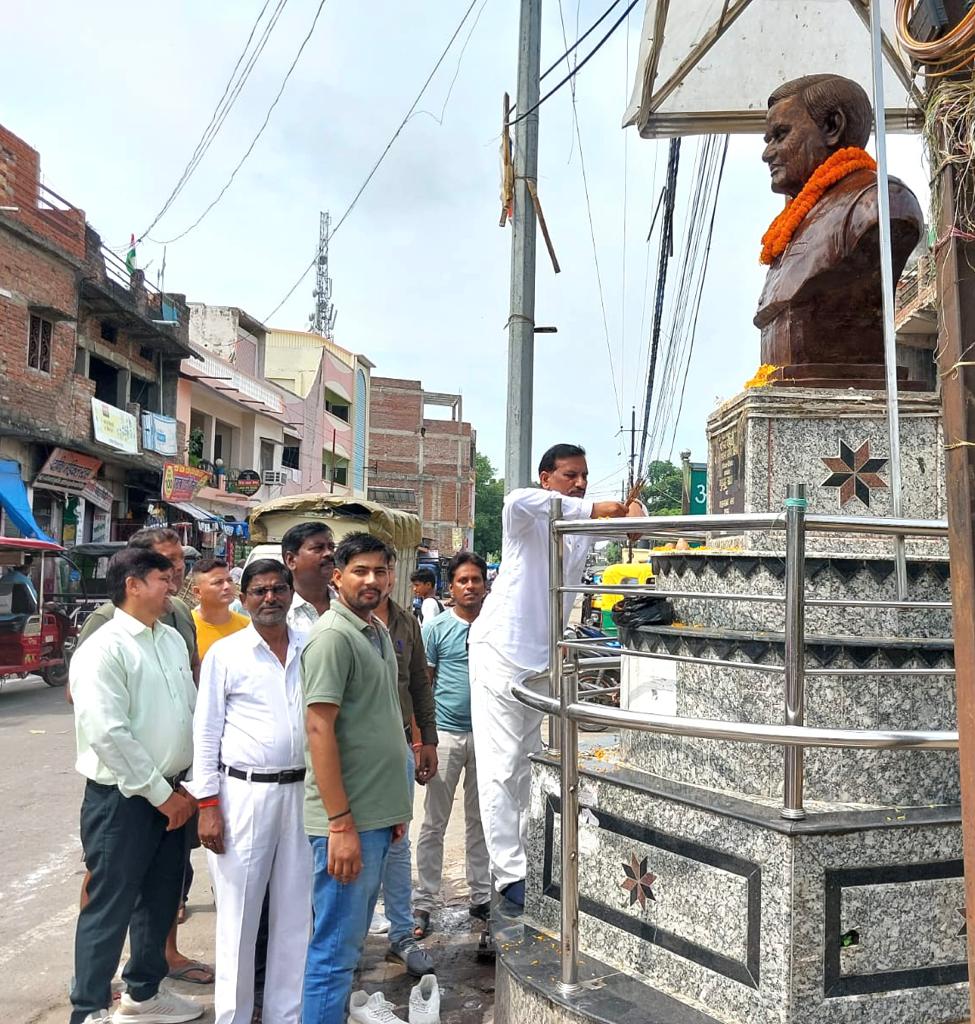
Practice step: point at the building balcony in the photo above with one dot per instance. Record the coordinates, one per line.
(915, 303)
(109, 289)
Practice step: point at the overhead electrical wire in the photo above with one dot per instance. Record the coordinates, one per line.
(376, 165)
(700, 292)
(260, 131)
(592, 236)
(577, 68)
(665, 251)
(231, 92)
(579, 39)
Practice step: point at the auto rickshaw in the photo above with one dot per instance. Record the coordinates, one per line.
(35, 627)
(626, 574)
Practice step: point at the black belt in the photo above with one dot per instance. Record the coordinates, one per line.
(175, 781)
(284, 778)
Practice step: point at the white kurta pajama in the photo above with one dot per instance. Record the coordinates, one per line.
(509, 643)
(250, 716)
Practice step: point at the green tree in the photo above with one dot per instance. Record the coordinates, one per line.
(488, 499)
(663, 489)
(613, 552)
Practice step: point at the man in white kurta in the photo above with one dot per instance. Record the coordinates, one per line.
(248, 764)
(509, 643)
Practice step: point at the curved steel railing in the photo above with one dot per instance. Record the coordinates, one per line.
(567, 711)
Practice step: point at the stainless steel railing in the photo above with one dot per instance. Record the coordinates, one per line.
(567, 711)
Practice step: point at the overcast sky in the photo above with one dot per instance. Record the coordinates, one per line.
(115, 96)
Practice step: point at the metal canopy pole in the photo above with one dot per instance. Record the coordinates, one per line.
(887, 285)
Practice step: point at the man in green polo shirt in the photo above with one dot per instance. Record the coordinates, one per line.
(356, 798)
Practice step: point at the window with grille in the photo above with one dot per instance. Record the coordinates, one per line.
(39, 343)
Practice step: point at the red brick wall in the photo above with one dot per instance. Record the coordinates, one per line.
(57, 402)
(37, 209)
(400, 439)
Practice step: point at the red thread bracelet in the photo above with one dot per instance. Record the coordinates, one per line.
(212, 802)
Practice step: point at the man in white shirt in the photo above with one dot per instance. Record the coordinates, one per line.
(509, 643)
(248, 762)
(308, 550)
(133, 695)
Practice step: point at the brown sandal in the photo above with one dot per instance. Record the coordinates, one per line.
(421, 924)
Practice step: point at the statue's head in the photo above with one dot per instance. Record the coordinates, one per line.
(808, 120)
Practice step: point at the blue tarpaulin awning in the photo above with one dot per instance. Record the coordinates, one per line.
(13, 498)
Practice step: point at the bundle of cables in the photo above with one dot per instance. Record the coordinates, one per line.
(945, 55)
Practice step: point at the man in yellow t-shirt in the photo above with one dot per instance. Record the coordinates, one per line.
(215, 591)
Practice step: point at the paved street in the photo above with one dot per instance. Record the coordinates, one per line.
(40, 794)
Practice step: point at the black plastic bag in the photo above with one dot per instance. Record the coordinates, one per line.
(643, 610)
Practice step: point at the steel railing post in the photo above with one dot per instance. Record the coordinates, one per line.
(555, 598)
(570, 829)
(795, 645)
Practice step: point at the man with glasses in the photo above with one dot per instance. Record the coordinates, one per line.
(248, 767)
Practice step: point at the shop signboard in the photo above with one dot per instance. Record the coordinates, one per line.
(67, 471)
(243, 481)
(99, 495)
(159, 433)
(181, 483)
(114, 427)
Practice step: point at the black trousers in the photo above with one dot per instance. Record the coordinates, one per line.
(136, 879)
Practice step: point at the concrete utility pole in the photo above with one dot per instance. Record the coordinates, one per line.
(521, 322)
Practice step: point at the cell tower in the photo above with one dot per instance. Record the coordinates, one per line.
(322, 320)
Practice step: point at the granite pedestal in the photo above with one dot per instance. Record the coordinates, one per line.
(691, 881)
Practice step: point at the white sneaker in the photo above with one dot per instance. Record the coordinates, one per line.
(164, 1008)
(425, 1001)
(379, 924)
(371, 1009)
(98, 1017)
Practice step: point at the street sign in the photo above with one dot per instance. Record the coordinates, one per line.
(698, 504)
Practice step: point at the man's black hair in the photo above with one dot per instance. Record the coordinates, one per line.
(207, 564)
(291, 542)
(466, 558)
(148, 538)
(360, 543)
(424, 575)
(264, 565)
(132, 563)
(559, 451)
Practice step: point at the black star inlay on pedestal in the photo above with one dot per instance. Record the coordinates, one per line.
(854, 473)
(638, 881)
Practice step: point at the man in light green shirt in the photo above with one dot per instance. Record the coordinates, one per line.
(356, 798)
(134, 696)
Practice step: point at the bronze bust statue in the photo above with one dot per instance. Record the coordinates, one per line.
(820, 312)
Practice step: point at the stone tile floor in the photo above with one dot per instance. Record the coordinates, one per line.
(467, 984)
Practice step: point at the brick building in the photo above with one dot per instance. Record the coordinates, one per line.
(86, 348)
(420, 464)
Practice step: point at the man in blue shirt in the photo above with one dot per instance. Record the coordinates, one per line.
(445, 640)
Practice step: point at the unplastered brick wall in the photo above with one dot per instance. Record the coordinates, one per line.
(20, 175)
(429, 456)
(33, 279)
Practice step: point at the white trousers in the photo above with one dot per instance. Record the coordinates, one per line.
(265, 847)
(455, 754)
(506, 733)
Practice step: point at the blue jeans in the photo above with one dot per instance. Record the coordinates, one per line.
(342, 913)
(398, 876)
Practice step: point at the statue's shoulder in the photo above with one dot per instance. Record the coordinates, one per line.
(861, 194)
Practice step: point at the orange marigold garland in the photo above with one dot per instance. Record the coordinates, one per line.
(827, 174)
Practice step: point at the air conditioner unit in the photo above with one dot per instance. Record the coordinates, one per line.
(274, 477)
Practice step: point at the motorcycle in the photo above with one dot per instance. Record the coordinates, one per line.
(596, 684)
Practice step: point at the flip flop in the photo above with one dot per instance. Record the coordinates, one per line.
(193, 967)
(421, 924)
